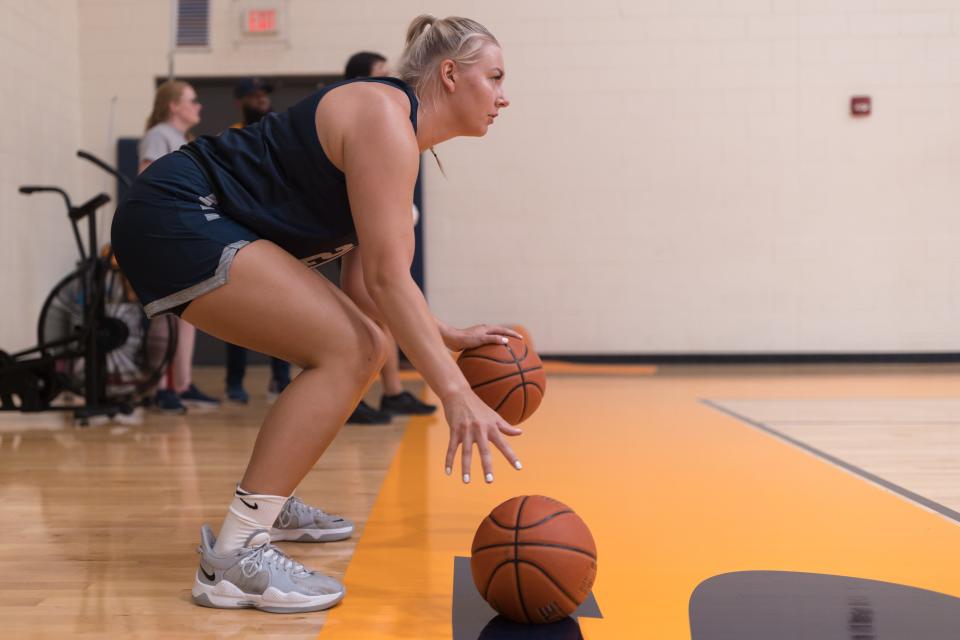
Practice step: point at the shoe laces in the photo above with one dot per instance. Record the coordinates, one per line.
(267, 555)
(297, 507)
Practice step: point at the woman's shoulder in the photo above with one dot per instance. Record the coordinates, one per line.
(376, 93)
(365, 101)
(160, 140)
(159, 128)
(163, 130)
(366, 114)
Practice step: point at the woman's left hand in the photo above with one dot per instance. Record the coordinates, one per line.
(460, 339)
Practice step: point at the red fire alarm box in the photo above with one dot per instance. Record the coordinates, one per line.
(860, 106)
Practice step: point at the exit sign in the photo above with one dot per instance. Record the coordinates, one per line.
(261, 21)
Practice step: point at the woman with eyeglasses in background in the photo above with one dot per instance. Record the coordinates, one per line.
(176, 110)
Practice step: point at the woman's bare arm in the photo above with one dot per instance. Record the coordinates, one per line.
(380, 159)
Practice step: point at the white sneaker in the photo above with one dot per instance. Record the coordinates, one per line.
(260, 576)
(300, 522)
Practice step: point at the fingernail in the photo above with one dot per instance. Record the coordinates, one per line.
(517, 465)
(504, 341)
(466, 478)
(448, 470)
(489, 477)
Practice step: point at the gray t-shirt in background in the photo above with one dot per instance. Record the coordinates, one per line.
(158, 141)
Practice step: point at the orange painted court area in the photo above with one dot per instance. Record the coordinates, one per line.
(674, 492)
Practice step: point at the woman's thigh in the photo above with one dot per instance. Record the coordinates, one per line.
(274, 304)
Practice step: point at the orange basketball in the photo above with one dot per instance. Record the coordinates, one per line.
(508, 377)
(533, 559)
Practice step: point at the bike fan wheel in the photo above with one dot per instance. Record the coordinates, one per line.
(136, 352)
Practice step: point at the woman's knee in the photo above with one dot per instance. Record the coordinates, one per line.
(363, 352)
(374, 351)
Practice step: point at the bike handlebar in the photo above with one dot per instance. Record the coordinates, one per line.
(75, 213)
(29, 189)
(86, 155)
(89, 207)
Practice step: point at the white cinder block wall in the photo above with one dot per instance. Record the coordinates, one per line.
(674, 176)
(684, 176)
(39, 126)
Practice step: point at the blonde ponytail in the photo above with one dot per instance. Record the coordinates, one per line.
(418, 26)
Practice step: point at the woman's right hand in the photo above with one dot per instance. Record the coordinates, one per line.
(474, 423)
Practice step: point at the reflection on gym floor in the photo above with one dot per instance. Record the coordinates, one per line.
(707, 527)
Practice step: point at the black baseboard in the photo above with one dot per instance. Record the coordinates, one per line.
(757, 358)
(210, 351)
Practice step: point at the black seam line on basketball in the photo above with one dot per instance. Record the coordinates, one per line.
(535, 544)
(516, 360)
(927, 503)
(502, 526)
(548, 577)
(514, 388)
(509, 375)
(479, 357)
(507, 397)
(486, 589)
(525, 384)
(529, 526)
(505, 562)
(523, 380)
(523, 407)
(516, 554)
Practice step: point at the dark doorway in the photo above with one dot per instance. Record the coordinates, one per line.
(220, 108)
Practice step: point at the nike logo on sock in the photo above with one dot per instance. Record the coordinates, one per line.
(252, 506)
(209, 576)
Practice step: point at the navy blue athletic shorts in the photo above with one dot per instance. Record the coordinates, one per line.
(170, 240)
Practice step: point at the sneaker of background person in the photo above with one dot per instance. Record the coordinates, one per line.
(167, 401)
(193, 397)
(365, 414)
(238, 395)
(275, 388)
(405, 403)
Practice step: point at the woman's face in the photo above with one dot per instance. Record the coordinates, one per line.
(380, 69)
(187, 108)
(477, 93)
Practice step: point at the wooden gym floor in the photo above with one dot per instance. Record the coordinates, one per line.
(691, 479)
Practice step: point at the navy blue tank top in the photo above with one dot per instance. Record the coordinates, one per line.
(274, 178)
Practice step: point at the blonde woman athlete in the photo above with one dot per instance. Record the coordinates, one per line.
(224, 233)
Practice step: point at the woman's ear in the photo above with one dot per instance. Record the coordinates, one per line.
(448, 75)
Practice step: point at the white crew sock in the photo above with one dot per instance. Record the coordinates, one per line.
(247, 513)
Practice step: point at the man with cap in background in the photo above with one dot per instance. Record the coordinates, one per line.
(253, 100)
